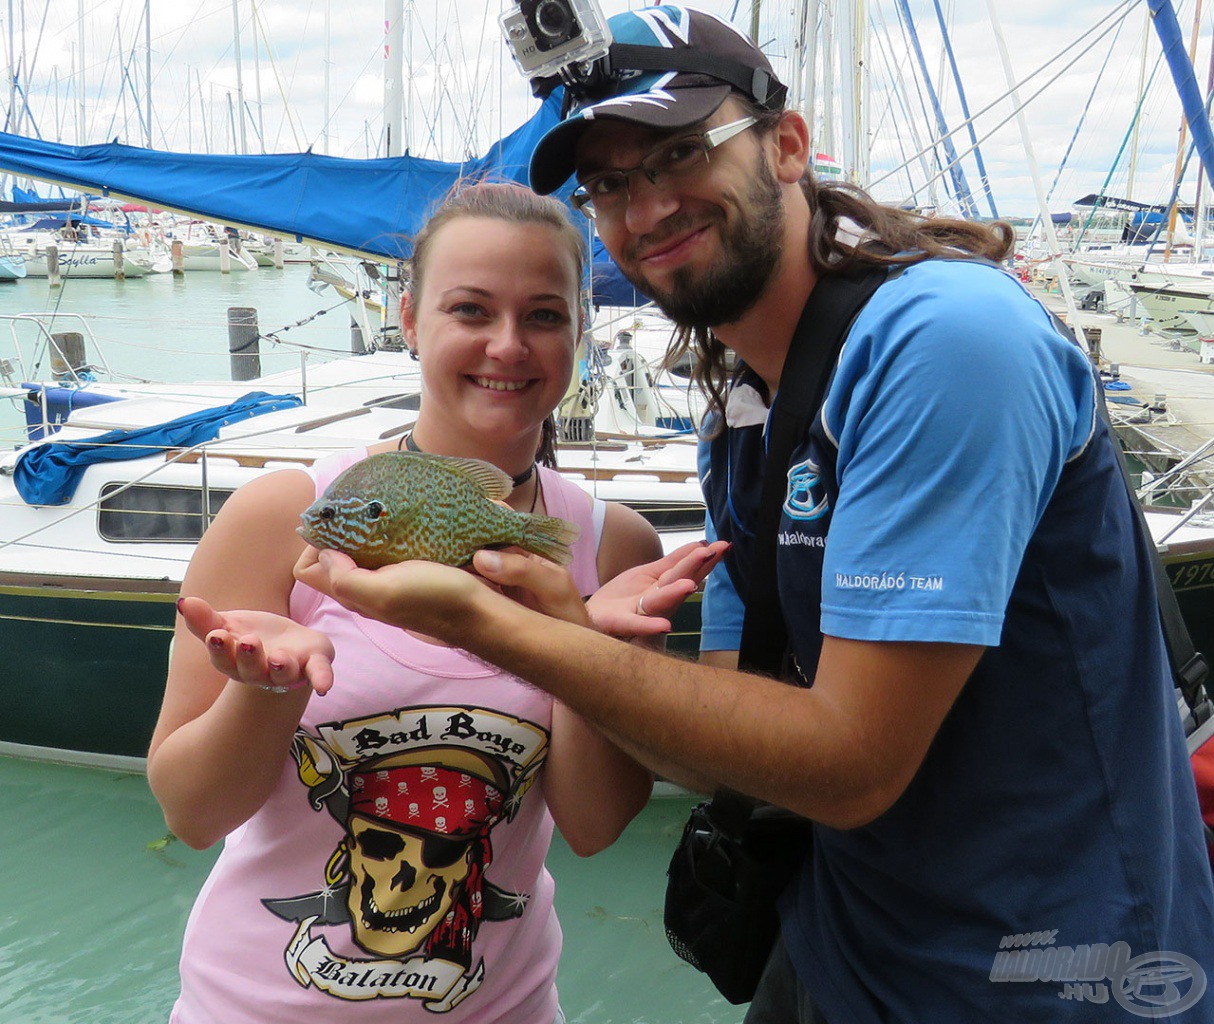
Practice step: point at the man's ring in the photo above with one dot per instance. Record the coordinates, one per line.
(641, 606)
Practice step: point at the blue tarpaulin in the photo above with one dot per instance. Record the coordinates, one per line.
(48, 474)
(371, 207)
(365, 206)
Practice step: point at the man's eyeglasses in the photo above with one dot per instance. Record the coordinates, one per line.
(666, 163)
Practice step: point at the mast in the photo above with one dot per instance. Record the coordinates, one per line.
(147, 68)
(394, 44)
(965, 110)
(1164, 19)
(809, 29)
(324, 134)
(261, 124)
(1174, 210)
(1047, 222)
(79, 79)
(1142, 71)
(828, 80)
(244, 142)
(956, 171)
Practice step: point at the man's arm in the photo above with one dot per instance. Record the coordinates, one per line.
(840, 752)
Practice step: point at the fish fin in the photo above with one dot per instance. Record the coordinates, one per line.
(549, 537)
(493, 482)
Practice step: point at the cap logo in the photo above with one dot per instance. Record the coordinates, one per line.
(665, 20)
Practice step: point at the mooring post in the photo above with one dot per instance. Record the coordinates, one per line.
(119, 268)
(244, 349)
(52, 266)
(277, 253)
(178, 251)
(225, 257)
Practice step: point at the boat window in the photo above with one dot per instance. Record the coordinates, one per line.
(155, 513)
(669, 518)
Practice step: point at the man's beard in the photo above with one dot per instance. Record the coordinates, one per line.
(750, 250)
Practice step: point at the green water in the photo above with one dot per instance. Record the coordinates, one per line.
(93, 901)
(167, 328)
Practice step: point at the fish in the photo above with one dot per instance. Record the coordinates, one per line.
(395, 506)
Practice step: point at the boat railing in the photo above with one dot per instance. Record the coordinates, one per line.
(63, 340)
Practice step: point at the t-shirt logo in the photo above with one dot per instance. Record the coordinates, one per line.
(418, 793)
(806, 497)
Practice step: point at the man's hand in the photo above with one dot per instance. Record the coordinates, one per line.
(639, 602)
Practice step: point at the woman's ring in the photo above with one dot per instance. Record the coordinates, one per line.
(641, 606)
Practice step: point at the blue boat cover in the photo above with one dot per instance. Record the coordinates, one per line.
(364, 206)
(48, 474)
(370, 207)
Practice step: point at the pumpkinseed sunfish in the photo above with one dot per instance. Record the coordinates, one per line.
(396, 506)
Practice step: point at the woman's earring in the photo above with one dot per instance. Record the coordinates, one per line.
(413, 354)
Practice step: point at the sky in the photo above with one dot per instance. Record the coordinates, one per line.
(462, 91)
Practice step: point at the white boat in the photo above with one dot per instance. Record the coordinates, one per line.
(92, 259)
(87, 587)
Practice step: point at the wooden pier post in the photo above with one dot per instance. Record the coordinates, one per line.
(52, 266)
(119, 268)
(244, 349)
(277, 253)
(225, 257)
(178, 257)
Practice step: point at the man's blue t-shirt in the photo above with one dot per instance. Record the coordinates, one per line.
(1046, 862)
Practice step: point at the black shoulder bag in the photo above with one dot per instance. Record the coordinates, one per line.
(736, 856)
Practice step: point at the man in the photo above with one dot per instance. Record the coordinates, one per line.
(990, 747)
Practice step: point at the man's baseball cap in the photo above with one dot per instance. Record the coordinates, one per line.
(669, 67)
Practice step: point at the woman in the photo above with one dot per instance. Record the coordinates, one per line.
(385, 844)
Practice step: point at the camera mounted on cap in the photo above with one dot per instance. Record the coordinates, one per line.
(568, 42)
(558, 42)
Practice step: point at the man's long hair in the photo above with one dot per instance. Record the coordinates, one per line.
(872, 235)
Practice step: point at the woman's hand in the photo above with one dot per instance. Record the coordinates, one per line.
(261, 648)
(639, 602)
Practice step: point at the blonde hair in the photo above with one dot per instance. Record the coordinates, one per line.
(515, 204)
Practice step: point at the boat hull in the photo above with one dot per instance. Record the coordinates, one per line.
(88, 670)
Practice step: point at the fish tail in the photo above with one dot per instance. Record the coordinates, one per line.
(549, 538)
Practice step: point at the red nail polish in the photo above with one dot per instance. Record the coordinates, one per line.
(180, 602)
(215, 641)
(247, 648)
(276, 666)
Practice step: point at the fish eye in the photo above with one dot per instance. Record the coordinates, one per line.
(327, 512)
(374, 510)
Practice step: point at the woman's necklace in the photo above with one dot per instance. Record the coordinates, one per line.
(407, 442)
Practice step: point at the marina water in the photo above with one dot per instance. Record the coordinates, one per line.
(95, 894)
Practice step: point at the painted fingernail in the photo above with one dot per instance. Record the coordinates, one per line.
(180, 602)
(276, 666)
(247, 648)
(215, 641)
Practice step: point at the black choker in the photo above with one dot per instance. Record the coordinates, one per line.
(408, 442)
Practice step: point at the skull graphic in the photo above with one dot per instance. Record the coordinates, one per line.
(402, 883)
(416, 858)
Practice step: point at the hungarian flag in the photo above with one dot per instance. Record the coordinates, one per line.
(827, 168)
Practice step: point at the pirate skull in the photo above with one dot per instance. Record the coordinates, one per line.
(402, 883)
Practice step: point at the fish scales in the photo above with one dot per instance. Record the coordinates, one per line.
(396, 506)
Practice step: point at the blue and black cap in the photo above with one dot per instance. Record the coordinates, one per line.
(667, 68)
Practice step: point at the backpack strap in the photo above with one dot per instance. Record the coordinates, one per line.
(833, 305)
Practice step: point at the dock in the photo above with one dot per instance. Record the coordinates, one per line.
(1174, 389)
